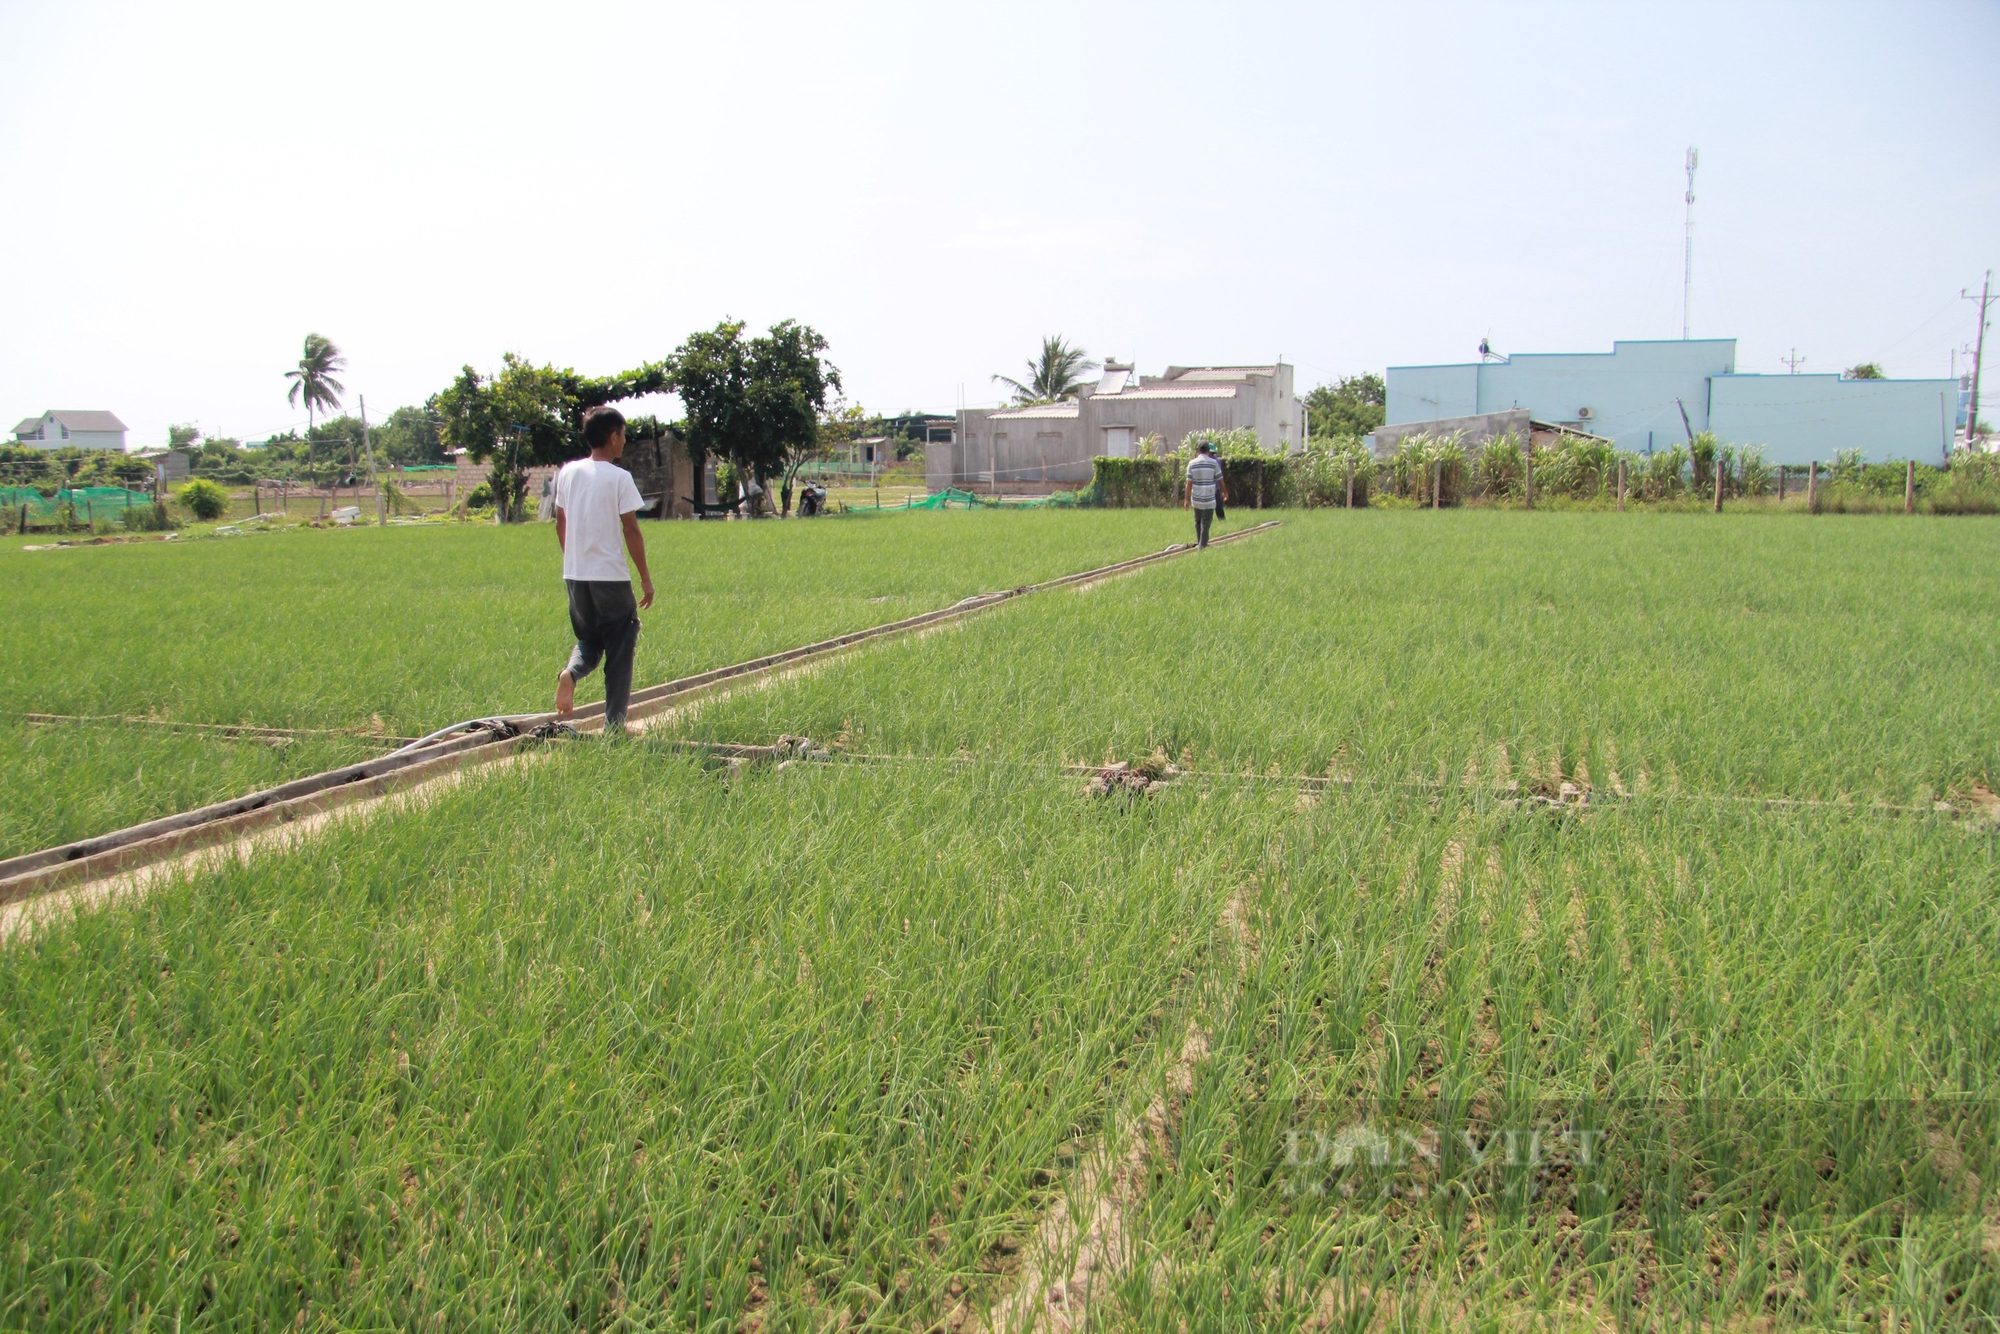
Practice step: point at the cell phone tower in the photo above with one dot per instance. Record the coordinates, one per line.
(1687, 259)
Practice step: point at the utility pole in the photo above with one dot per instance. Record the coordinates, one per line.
(369, 449)
(1687, 261)
(1978, 354)
(1794, 361)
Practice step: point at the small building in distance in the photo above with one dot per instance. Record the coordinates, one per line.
(69, 428)
(1653, 394)
(1476, 431)
(170, 466)
(1044, 447)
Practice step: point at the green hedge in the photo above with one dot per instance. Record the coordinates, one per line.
(1124, 484)
(1254, 482)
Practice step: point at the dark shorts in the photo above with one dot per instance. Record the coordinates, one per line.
(605, 617)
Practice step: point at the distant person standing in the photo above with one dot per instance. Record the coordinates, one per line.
(597, 504)
(1205, 489)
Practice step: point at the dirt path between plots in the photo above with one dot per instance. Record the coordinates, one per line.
(1084, 1245)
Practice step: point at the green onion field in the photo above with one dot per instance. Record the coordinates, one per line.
(1550, 921)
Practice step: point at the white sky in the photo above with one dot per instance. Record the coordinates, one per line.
(190, 188)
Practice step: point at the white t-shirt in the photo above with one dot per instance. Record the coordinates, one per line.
(593, 498)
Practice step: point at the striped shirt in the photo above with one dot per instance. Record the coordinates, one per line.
(1204, 473)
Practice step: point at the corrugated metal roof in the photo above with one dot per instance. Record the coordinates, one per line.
(1192, 391)
(1041, 410)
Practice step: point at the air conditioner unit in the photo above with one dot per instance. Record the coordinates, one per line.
(1585, 414)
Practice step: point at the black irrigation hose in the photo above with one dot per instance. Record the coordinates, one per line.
(501, 727)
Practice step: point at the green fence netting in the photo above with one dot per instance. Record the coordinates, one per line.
(89, 502)
(952, 497)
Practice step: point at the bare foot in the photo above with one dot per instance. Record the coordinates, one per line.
(565, 694)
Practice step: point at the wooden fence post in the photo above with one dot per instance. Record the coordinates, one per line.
(1718, 486)
(1812, 487)
(1783, 468)
(1528, 489)
(1437, 484)
(1621, 486)
(1350, 483)
(1910, 487)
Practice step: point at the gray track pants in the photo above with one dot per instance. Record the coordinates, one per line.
(605, 617)
(1202, 519)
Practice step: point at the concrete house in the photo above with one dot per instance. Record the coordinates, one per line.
(1654, 394)
(62, 428)
(1048, 447)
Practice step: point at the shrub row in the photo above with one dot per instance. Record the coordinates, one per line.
(1577, 469)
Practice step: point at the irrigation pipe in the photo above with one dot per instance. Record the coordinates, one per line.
(502, 726)
(109, 854)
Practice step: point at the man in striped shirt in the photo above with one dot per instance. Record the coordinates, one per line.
(1204, 489)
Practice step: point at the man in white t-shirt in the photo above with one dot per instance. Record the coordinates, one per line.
(597, 505)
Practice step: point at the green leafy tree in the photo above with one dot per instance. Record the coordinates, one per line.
(1058, 373)
(183, 436)
(528, 415)
(220, 452)
(282, 453)
(789, 384)
(1350, 406)
(753, 403)
(338, 439)
(1867, 370)
(313, 380)
(711, 373)
(409, 437)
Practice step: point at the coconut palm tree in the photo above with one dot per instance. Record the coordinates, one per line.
(1056, 374)
(314, 382)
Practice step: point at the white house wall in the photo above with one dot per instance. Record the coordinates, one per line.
(1055, 450)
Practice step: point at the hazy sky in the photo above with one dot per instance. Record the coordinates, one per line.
(191, 188)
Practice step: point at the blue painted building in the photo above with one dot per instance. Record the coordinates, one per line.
(1652, 394)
